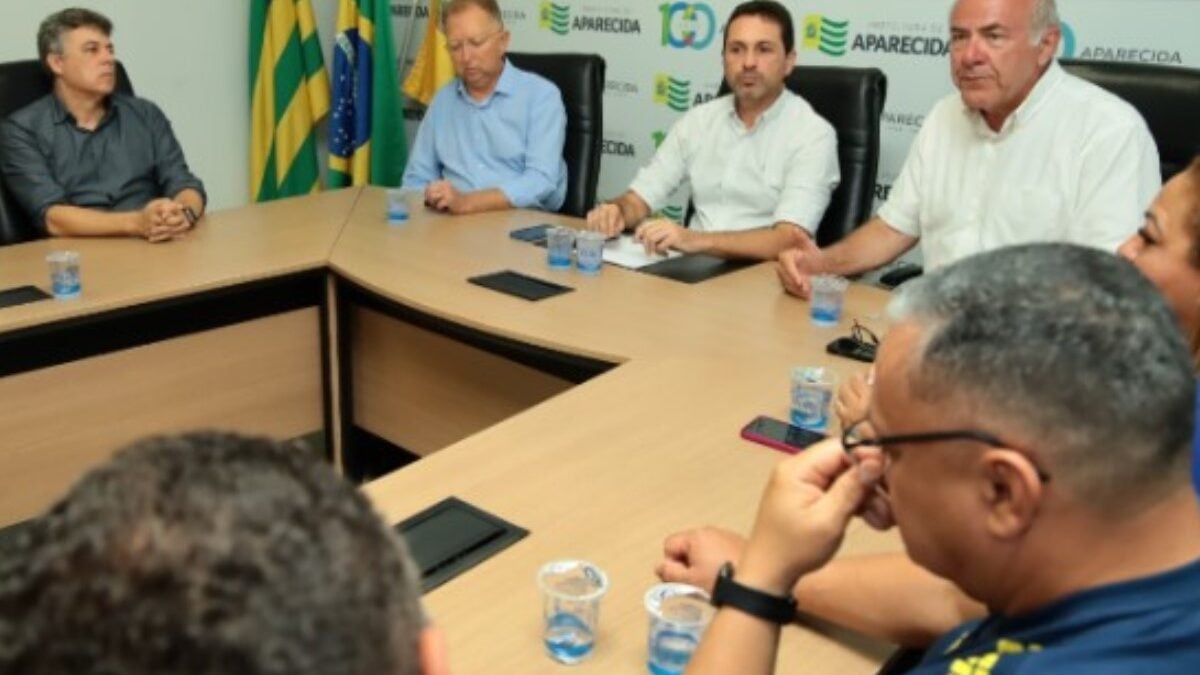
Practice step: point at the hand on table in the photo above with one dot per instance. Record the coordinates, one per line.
(661, 235)
(796, 266)
(606, 219)
(442, 196)
(694, 556)
(162, 220)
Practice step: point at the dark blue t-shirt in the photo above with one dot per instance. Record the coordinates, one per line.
(1150, 625)
(1196, 445)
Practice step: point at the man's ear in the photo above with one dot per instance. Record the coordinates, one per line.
(54, 63)
(431, 651)
(1011, 490)
(1048, 46)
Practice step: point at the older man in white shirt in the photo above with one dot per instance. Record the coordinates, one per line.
(761, 163)
(1024, 152)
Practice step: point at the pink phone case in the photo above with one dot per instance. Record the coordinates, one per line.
(769, 442)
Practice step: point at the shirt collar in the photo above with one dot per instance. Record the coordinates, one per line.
(1028, 108)
(767, 116)
(506, 84)
(63, 116)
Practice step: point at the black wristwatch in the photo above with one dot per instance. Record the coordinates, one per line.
(752, 601)
(190, 215)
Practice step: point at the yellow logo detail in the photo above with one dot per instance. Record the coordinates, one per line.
(983, 664)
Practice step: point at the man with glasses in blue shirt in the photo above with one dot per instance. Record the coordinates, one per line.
(493, 138)
(1030, 435)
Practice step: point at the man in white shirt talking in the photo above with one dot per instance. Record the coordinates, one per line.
(761, 163)
(1023, 152)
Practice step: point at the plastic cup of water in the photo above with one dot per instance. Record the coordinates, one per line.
(679, 615)
(397, 206)
(571, 594)
(559, 243)
(65, 281)
(812, 392)
(589, 252)
(828, 294)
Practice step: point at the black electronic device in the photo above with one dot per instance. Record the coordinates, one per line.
(852, 349)
(780, 435)
(520, 285)
(534, 234)
(20, 295)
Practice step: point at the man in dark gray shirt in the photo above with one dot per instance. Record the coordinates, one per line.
(85, 161)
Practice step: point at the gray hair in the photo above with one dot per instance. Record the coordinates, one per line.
(209, 553)
(1045, 17)
(1069, 348)
(50, 32)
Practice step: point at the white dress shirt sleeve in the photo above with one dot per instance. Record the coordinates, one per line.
(902, 210)
(667, 170)
(811, 178)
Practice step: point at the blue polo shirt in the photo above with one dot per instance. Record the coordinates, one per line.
(512, 141)
(1149, 625)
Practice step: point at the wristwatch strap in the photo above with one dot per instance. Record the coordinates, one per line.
(773, 608)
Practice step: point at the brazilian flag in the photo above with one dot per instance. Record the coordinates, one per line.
(289, 95)
(366, 129)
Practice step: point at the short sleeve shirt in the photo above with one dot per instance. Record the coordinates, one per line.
(1073, 163)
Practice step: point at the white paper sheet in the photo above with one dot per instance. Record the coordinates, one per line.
(626, 252)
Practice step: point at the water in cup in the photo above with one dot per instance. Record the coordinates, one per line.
(568, 638)
(828, 295)
(812, 392)
(679, 615)
(397, 206)
(560, 242)
(589, 252)
(65, 281)
(571, 594)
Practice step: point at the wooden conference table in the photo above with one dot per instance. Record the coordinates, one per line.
(600, 420)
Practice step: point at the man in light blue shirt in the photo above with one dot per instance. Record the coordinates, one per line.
(492, 139)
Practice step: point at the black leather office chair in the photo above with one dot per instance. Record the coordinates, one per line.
(1167, 97)
(21, 83)
(580, 79)
(851, 99)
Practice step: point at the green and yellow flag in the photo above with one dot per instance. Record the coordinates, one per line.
(289, 94)
(432, 68)
(366, 129)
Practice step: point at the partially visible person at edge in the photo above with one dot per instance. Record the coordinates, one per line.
(207, 554)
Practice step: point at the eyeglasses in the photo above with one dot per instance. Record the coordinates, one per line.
(472, 44)
(852, 438)
(863, 335)
(861, 345)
